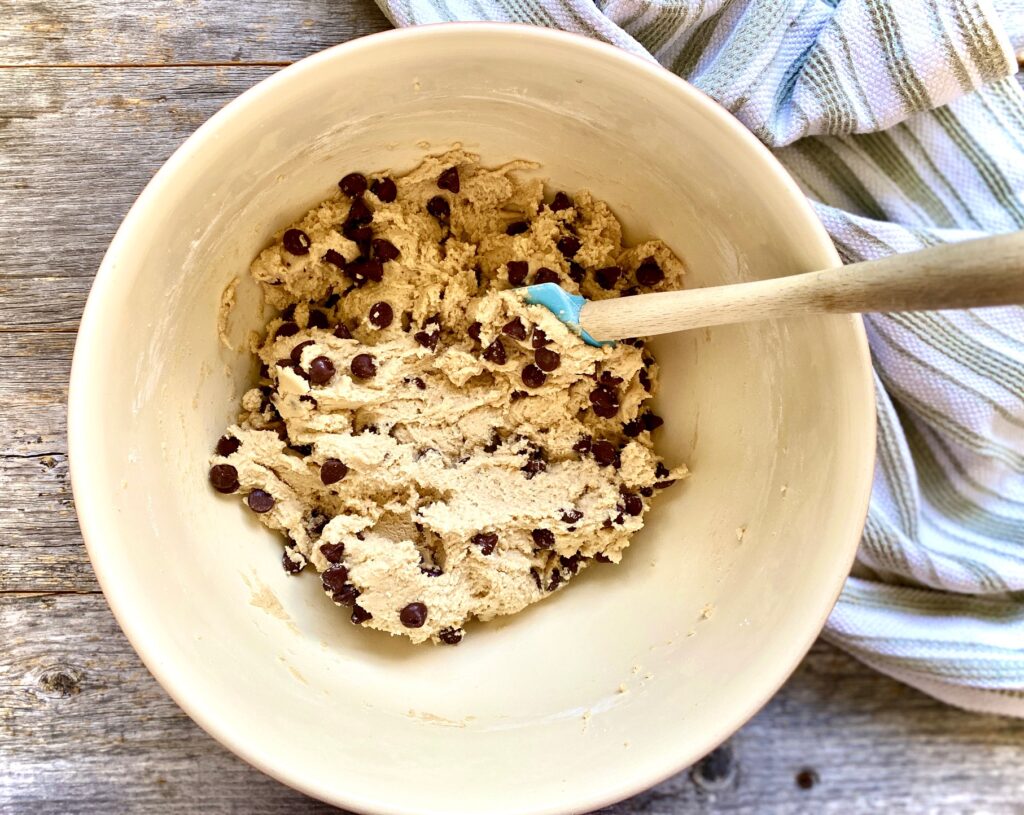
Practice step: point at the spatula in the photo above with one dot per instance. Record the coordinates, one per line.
(982, 272)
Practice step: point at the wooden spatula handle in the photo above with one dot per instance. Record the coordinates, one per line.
(983, 272)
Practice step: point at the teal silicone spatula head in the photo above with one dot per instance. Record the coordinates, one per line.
(566, 307)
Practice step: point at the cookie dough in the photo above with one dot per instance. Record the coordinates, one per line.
(431, 445)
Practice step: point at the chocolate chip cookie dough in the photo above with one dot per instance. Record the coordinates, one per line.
(431, 445)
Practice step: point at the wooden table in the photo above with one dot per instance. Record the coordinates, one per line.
(94, 96)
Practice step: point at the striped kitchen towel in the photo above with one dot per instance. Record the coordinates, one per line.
(902, 123)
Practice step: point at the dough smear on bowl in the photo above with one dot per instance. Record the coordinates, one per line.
(435, 448)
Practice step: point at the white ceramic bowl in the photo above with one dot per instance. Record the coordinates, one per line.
(775, 419)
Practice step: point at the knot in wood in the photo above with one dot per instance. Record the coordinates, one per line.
(60, 681)
(716, 771)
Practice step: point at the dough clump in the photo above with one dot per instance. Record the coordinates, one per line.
(433, 446)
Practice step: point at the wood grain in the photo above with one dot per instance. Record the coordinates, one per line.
(108, 32)
(83, 727)
(76, 147)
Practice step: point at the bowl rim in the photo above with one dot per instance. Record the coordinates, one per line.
(83, 447)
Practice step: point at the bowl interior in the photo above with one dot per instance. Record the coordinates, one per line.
(602, 689)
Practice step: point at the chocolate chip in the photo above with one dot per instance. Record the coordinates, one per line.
(536, 577)
(353, 184)
(384, 250)
(601, 557)
(571, 563)
(605, 401)
(432, 571)
(495, 353)
(560, 202)
(652, 421)
(515, 396)
(532, 467)
(335, 258)
(634, 505)
(515, 329)
(296, 354)
(661, 471)
(546, 275)
(517, 271)
(289, 313)
(636, 343)
(224, 478)
(332, 552)
(583, 445)
(226, 445)
(649, 273)
(517, 228)
(428, 339)
(363, 366)
(321, 369)
(449, 180)
(413, 615)
(571, 516)
(647, 492)
(540, 339)
(342, 332)
(292, 566)
(359, 213)
(357, 232)
(286, 330)
(619, 519)
(381, 314)
(568, 245)
(577, 274)
(347, 596)
(632, 428)
(556, 580)
(544, 538)
(419, 383)
(604, 452)
(332, 471)
(632, 290)
(474, 331)
(334, 578)
(486, 541)
(645, 379)
(533, 377)
(296, 242)
(439, 207)
(317, 319)
(608, 378)
(608, 277)
(259, 500)
(450, 636)
(385, 189)
(360, 615)
(546, 359)
(494, 443)
(363, 270)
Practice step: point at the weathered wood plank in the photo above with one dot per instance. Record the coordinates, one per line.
(47, 305)
(40, 545)
(81, 721)
(76, 148)
(173, 31)
(34, 371)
